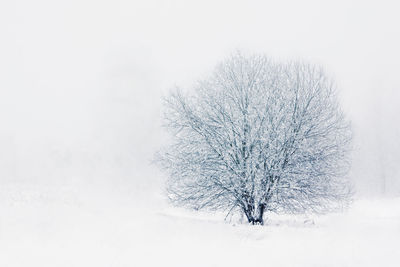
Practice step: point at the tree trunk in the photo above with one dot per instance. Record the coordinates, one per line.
(255, 217)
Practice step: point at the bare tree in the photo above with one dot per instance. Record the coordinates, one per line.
(258, 136)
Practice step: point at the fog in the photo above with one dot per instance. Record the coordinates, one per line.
(81, 81)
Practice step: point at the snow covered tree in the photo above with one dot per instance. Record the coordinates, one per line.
(257, 136)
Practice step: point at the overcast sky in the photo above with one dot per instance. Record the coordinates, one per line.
(81, 81)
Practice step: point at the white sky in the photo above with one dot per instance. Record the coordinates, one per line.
(81, 81)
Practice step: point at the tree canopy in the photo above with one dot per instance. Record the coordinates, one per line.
(256, 136)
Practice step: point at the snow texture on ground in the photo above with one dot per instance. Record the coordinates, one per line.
(53, 226)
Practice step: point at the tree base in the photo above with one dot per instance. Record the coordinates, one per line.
(256, 222)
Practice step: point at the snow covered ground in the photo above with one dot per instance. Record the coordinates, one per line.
(54, 226)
